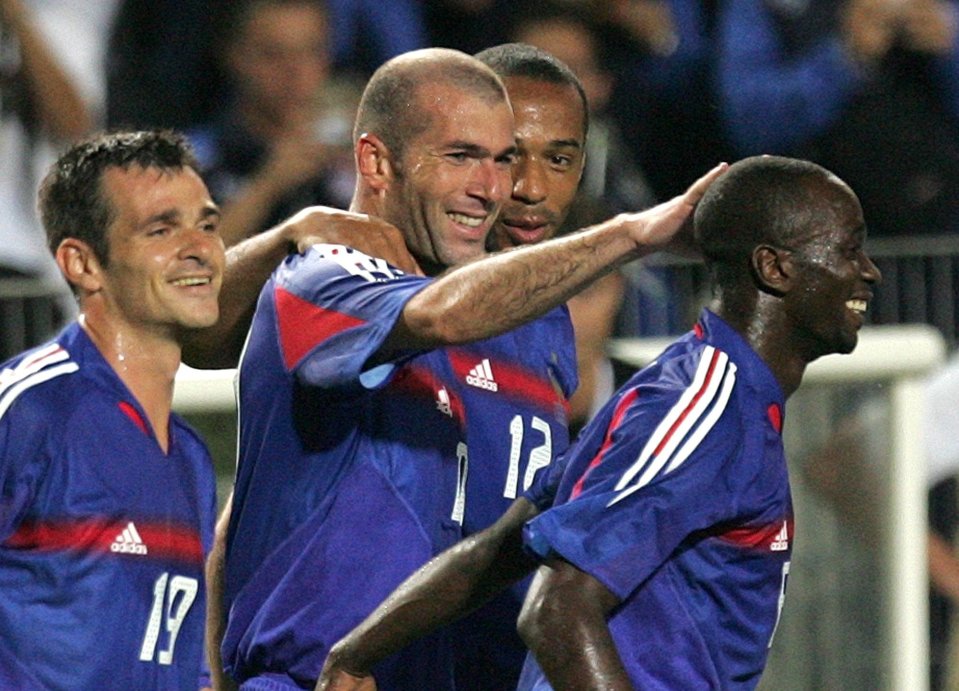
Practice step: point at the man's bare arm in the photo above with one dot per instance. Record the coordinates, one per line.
(250, 263)
(563, 623)
(215, 614)
(492, 296)
(453, 584)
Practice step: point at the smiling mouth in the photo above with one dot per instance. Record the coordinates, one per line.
(857, 306)
(468, 221)
(192, 281)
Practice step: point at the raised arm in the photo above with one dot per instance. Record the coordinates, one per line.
(563, 623)
(492, 296)
(453, 584)
(59, 106)
(250, 263)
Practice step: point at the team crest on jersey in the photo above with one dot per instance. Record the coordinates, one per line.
(481, 376)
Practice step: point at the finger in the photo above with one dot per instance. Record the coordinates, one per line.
(698, 188)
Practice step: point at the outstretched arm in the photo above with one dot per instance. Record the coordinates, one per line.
(250, 263)
(563, 623)
(489, 297)
(448, 587)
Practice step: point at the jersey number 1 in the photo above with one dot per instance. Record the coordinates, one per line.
(172, 599)
(539, 456)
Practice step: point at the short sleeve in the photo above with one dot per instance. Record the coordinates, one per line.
(664, 472)
(335, 308)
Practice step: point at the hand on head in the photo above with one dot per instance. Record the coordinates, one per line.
(668, 226)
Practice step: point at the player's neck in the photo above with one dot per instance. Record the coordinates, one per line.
(145, 362)
(762, 325)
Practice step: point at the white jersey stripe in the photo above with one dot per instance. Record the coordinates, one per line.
(8, 396)
(699, 407)
(32, 363)
(708, 422)
(693, 428)
(40, 354)
(669, 419)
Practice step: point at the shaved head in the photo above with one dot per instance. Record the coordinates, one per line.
(390, 106)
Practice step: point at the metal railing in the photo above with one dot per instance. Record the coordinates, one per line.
(920, 286)
(31, 311)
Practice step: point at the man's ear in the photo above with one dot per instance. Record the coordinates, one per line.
(773, 268)
(79, 265)
(374, 162)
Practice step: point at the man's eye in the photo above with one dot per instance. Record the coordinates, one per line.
(457, 156)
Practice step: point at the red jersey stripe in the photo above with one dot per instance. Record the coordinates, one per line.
(303, 325)
(92, 535)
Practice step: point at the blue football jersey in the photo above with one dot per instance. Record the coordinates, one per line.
(676, 498)
(102, 534)
(350, 475)
(515, 389)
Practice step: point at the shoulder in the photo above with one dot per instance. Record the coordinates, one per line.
(336, 269)
(39, 383)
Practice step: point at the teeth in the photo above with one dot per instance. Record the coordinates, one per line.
(466, 220)
(856, 305)
(195, 281)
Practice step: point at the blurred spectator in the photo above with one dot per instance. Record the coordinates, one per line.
(847, 471)
(285, 141)
(611, 173)
(162, 67)
(165, 69)
(50, 93)
(468, 25)
(868, 88)
(661, 52)
(367, 33)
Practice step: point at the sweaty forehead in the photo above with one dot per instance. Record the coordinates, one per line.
(553, 104)
(832, 215)
(452, 114)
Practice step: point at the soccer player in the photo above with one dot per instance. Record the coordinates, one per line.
(664, 540)
(352, 461)
(517, 423)
(107, 499)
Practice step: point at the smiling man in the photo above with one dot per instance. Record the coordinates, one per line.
(662, 543)
(107, 499)
(353, 461)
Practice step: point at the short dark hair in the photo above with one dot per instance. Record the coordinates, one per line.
(72, 202)
(524, 60)
(389, 108)
(759, 200)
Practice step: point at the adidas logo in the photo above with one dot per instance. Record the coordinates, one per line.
(129, 542)
(482, 376)
(781, 542)
(443, 402)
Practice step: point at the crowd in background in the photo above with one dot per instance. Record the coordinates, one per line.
(266, 89)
